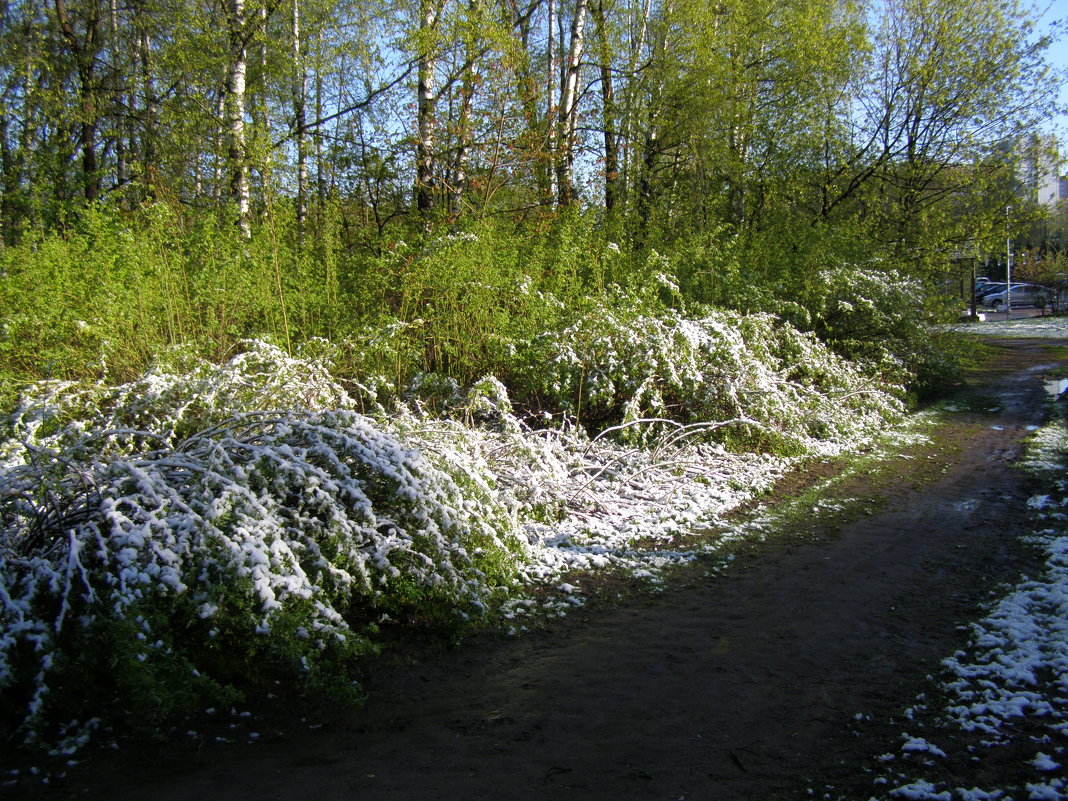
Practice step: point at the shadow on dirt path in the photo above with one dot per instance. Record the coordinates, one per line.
(783, 671)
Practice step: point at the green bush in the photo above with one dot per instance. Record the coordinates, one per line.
(882, 318)
(105, 298)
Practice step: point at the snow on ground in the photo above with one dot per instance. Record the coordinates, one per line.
(642, 510)
(211, 497)
(1004, 713)
(1024, 328)
(999, 731)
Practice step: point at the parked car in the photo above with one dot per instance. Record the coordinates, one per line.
(1022, 295)
(988, 288)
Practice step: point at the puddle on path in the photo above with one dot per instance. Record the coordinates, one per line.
(1056, 386)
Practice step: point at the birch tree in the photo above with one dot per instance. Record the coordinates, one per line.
(300, 119)
(236, 73)
(426, 111)
(569, 104)
(609, 111)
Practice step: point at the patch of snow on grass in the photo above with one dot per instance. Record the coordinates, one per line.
(1043, 791)
(975, 794)
(1024, 328)
(921, 791)
(918, 744)
(1044, 762)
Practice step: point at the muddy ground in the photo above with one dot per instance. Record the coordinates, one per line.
(786, 671)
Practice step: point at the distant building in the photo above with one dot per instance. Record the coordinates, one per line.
(1038, 171)
(1051, 189)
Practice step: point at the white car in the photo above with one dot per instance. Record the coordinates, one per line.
(1022, 295)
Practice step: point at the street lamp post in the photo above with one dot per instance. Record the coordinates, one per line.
(1008, 265)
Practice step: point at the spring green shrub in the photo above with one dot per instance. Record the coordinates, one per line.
(883, 318)
(103, 299)
(210, 526)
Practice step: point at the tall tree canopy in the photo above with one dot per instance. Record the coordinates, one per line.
(665, 118)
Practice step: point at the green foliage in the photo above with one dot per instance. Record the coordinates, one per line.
(882, 318)
(455, 303)
(107, 298)
(716, 292)
(104, 298)
(254, 518)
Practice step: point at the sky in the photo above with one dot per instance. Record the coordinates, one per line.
(1057, 55)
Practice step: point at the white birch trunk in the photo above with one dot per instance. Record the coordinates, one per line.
(220, 160)
(235, 94)
(569, 107)
(629, 98)
(552, 83)
(150, 132)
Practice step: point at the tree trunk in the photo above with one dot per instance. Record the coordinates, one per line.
(527, 88)
(320, 171)
(87, 141)
(235, 105)
(645, 183)
(150, 133)
(463, 136)
(220, 135)
(261, 118)
(567, 193)
(552, 83)
(9, 175)
(85, 52)
(468, 82)
(300, 104)
(651, 145)
(426, 112)
(630, 100)
(121, 169)
(608, 112)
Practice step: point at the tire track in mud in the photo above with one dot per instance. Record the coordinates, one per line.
(779, 674)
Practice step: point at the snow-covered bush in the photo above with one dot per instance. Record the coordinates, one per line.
(776, 386)
(879, 316)
(175, 535)
(207, 526)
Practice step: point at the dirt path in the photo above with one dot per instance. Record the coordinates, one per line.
(746, 685)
